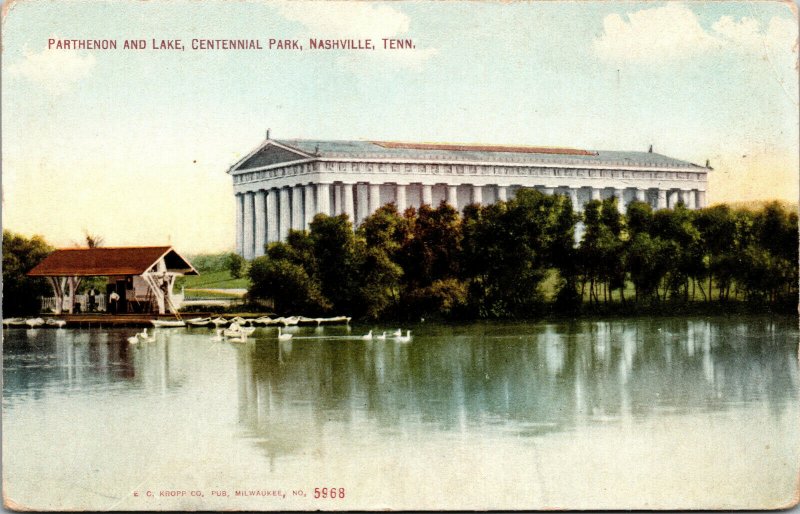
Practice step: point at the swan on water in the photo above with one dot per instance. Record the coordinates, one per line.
(283, 337)
(381, 337)
(397, 333)
(404, 339)
(367, 336)
(218, 337)
(133, 339)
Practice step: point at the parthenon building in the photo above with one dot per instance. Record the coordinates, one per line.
(282, 185)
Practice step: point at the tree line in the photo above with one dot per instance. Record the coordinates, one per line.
(521, 259)
(512, 259)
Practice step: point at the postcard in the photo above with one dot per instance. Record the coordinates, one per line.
(360, 255)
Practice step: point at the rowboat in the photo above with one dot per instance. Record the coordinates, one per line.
(167, 323)
(55, 322)
(34, 322)
(198, 322)
(219, 321)
(14, 322)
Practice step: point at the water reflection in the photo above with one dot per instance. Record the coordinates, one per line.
(519, 379)
(572, 408)
(509, 378)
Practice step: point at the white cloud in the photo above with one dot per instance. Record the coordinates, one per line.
(54, 70)
(746, 35)
(347, 19)
(673, 32)
(358, 20)
(663, 33)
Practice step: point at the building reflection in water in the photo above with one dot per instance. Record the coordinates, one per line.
(521, 379)
(62, 360)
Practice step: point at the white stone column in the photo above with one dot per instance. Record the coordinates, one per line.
(338, 196)
(672, 199)
(701, 199)
(596, 193)
(324, 199)
(308, 206)
(261, 222)
(374, 197)
(427, 194)
(688, 197)
(573, 196)
(662, 199)
(477, 195)
(362, 203)
(248, 225)
(620, 194)
(502, 194)
(239, 224)
(297, 208)
(400, 198)
(452, 196)
(286, 213)
(348, 206)
(272, 216)
(641, 195)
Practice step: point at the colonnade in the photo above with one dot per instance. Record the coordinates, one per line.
(267, 215)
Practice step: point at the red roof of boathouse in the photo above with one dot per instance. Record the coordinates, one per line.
(92, 262)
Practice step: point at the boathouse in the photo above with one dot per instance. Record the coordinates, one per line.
(142, 277)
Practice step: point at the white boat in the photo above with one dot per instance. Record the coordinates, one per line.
(34, 322)
(219, 321)
(167, 323)
(335, 319)
(291, 320)
(264, 320)
(55, 322)
(14, 322)
(239, 320)
(198, 322)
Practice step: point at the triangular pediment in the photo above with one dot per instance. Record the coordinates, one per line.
(269, 155)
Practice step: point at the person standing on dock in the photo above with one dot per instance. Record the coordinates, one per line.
(113, 298)
(92, 304)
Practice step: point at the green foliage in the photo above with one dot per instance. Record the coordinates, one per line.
(235, 264)
(492, 261)
(20, 292)
(212, 280)
(288, 285)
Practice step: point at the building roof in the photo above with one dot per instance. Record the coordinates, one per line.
(92, 262)
(446, 152)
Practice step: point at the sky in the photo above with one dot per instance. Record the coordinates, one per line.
(134, 145)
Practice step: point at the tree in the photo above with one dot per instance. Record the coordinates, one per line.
(236, 264)
(432, 250)
(288, 285)
(20, 255)
(335, 252)
(508, 248)
(93, 240)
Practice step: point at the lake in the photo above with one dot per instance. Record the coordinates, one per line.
(634, 413)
